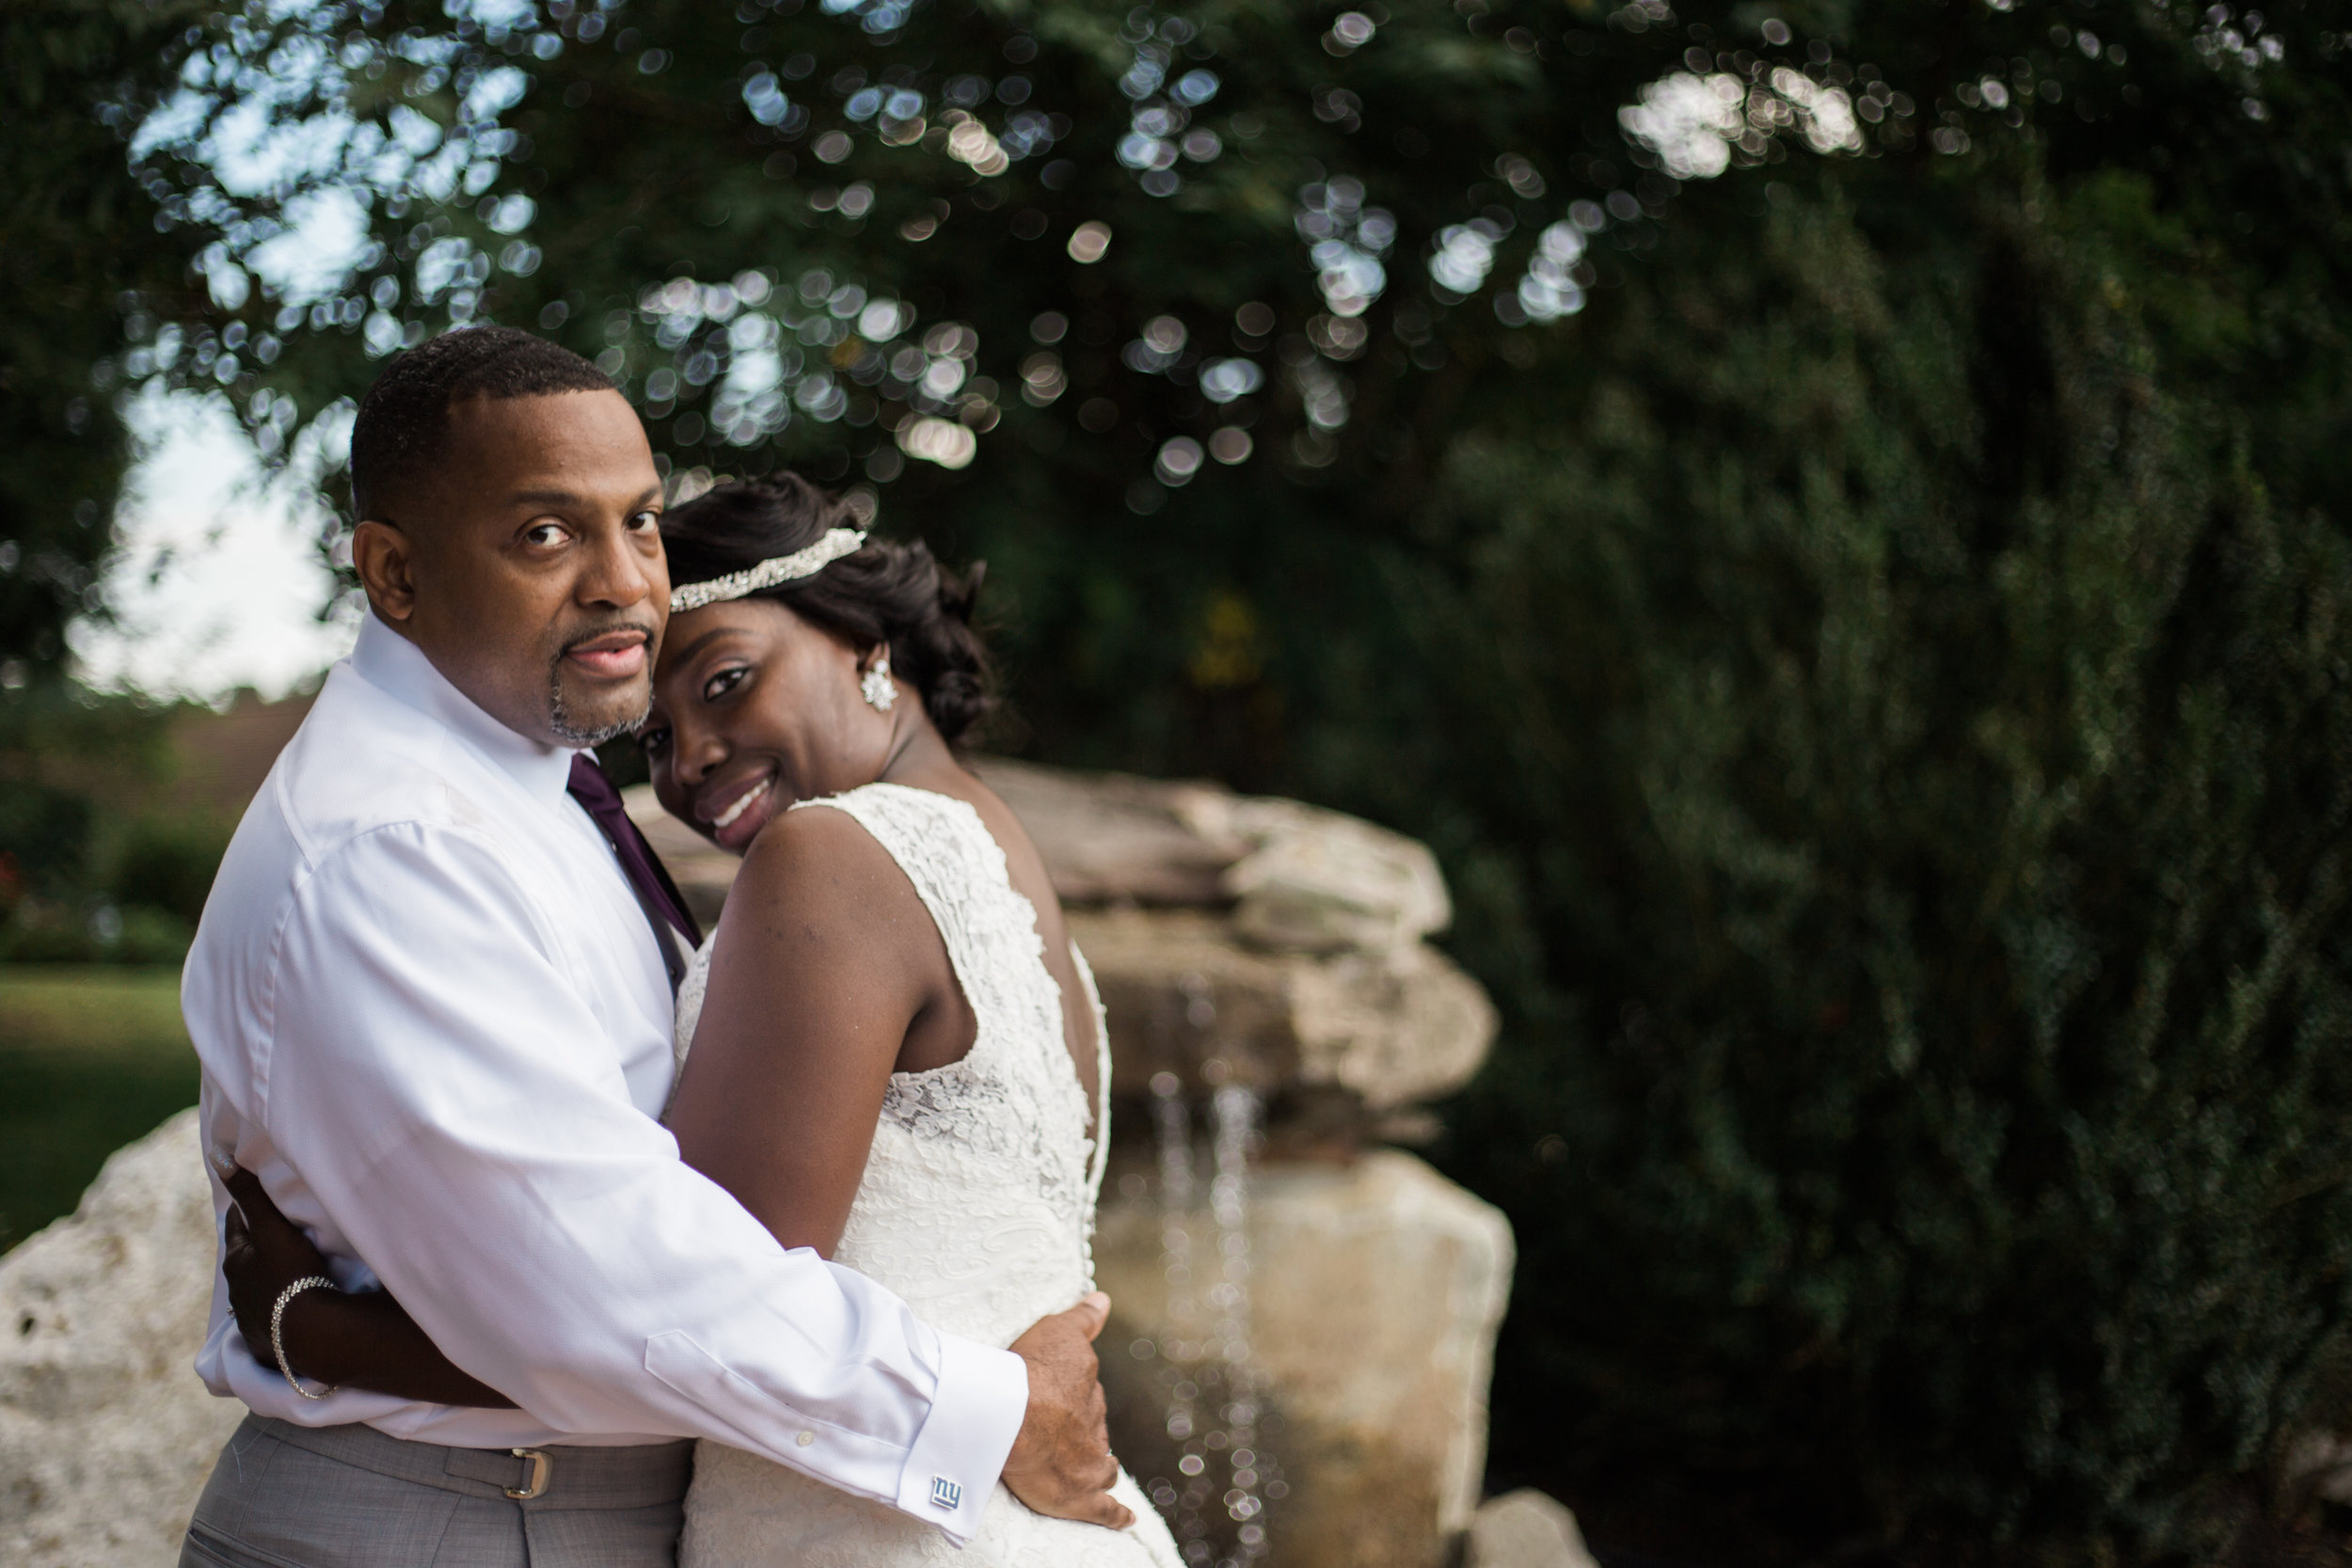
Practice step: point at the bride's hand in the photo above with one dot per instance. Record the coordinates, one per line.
(264, 1253)
(1061, 1463)
(359, 1341)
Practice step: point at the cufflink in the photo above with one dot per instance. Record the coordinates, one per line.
(946, 1494)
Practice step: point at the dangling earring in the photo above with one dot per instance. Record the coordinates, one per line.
(880, 689)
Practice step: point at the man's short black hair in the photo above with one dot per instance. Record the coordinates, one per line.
(404, 420)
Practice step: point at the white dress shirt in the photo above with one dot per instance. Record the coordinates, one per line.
(432, 1020)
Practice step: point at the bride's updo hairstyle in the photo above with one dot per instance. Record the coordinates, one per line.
(884, 591)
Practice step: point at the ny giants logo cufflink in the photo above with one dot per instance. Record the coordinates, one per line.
(946, 1494)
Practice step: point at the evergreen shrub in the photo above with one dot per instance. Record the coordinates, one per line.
(1924, 740)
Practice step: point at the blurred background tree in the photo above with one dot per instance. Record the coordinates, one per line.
(87, 270)
(1831, 519)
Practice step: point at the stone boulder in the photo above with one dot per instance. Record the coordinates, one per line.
(106, 1435)
(1295, 877)
(1375, 1293)
(1111, 838)
(1188, 994)
(1316, 882)
(1524, 1530)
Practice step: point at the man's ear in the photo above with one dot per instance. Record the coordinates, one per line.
(385, 561)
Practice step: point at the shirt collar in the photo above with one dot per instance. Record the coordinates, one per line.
(392, 664)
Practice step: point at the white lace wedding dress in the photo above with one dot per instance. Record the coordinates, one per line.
(977, 1208)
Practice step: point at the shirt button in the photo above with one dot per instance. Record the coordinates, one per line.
(805, 1438)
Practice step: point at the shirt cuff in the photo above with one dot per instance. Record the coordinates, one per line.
(953, 1467)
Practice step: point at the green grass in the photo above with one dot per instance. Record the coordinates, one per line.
(91, 1057)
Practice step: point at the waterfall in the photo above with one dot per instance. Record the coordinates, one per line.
(1234, 1114)
(1216, 1502)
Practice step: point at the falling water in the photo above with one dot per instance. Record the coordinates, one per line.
(1224, 1477)
(1233, 1115)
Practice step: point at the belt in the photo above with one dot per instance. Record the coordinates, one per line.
(557, 1476)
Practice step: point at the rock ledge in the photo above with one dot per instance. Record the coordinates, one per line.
(106, 1435)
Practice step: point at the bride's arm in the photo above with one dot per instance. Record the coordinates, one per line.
(361, 1340)
(826, 961)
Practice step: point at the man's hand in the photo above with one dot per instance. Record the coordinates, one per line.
(1061, 1463)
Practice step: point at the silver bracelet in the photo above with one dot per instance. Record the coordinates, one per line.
(277, 1324)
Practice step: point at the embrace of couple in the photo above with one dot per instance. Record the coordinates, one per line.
(497, 1247)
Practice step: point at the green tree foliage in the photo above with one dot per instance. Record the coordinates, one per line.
(1831, 518)
(82, 265)
(85, 269)
(1936, 801)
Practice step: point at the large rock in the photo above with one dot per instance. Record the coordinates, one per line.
(1317, 881)
(1297, 876)
(105, 1433)
(1188, 994)
(1110, 838)
(1374, 1296)
(1524, 1530)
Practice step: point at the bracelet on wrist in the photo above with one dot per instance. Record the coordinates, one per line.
(277, 1331)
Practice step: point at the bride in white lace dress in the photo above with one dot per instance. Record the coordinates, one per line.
(890, 1048)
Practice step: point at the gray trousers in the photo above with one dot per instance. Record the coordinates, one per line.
(349, 1497)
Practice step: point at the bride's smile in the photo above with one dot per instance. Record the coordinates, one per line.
(729, 816)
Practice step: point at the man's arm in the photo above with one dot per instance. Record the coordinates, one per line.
(458, 1116)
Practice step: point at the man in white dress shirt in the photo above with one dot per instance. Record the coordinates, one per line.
(435, 1020)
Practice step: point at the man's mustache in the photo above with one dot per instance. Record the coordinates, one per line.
(584, 636)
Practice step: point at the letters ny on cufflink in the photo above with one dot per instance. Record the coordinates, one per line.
(946, 1494)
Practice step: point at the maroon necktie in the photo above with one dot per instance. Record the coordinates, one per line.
(655, 893)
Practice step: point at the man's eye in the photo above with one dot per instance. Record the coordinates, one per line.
(723, 682)
(544, 533)
(644, 521)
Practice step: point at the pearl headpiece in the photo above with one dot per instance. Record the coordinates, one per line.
(777, 569)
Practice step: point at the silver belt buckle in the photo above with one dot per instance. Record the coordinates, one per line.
(541, 1468)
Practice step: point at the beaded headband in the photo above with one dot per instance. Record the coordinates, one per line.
(778, 569)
